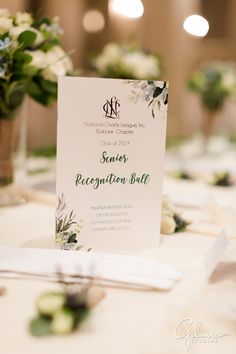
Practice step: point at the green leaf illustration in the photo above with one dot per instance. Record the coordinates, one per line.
(72, 239)
(157, 92)
(181, 224)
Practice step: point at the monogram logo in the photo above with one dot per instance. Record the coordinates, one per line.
(111, 108)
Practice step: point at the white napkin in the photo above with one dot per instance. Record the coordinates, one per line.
(120, 268)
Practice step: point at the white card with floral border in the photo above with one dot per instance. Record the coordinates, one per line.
(110, 161)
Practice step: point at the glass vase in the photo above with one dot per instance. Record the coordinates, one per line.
(13, 135)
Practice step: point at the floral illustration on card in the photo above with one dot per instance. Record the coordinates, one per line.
(150, 92)
(67, 229)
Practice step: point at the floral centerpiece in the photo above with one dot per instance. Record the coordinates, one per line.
(127, 62)
(222, 179)
(214, 83)
(31, 59)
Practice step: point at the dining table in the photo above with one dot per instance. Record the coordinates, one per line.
(197, 316)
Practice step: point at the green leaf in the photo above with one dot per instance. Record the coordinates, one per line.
(43, 99)
(4, 181)
(45, 151)
(33, 89)
(36, 91)
(27, 38)
(29, 70)
(4, 35)
(49, 42)
(55, 41)
(81, 315)
(46, 46)
(49, 86)
(40, 326)
(39, 21)
(22, 57)
(15, 94)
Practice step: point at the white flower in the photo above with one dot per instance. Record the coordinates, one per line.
(143, 66)
(4, 13)
(2, 72)
(111, 55)
(5, 43)
(54, 28)
(62, 322)
(17, 30)
(59, 63)
(101, 63)
(229, 80)
(168, 224)
(167, 206)
(23, 17)
(39, 37)
(5, 24)
(112, 52)
(39, 58)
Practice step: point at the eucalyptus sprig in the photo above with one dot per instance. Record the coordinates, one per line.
(63, 222)
(67, 229)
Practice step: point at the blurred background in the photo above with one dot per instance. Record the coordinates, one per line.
(158, 27)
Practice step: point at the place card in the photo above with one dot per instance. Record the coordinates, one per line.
(215, 253)
(110, 156)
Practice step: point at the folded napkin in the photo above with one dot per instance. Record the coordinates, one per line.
(103, 268)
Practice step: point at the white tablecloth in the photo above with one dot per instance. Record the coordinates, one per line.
(125, 322)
